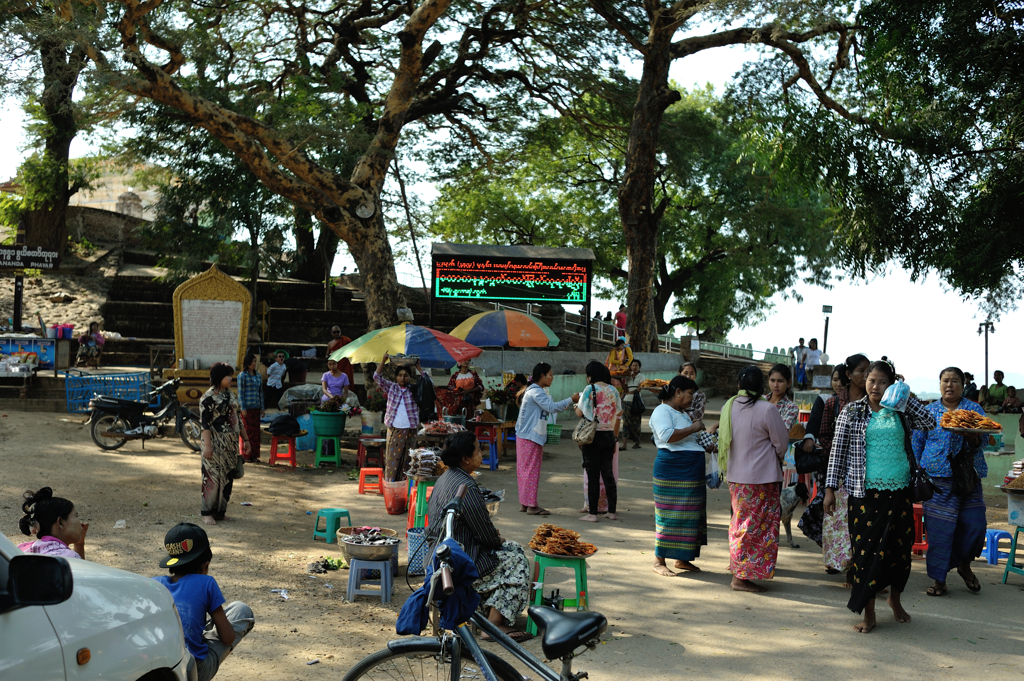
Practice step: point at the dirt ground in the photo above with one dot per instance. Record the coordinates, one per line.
(683, 627)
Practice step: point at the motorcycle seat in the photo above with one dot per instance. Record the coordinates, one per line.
(563, 632)
(117, 402)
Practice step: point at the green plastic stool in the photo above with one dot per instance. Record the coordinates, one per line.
(332, 523)
(577, 564)
(1011, 561)
(322, 458)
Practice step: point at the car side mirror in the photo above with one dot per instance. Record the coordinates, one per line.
(36, 580)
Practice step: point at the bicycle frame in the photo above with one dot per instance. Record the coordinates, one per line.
(465, 634)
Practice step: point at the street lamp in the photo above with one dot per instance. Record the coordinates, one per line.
(826, 310)
(988, 327)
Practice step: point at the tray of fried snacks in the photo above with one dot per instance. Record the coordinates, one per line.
(967, 421)
(558, 542)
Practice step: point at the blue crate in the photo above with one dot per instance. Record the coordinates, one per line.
(81, 389)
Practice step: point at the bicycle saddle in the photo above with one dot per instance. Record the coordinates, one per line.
(563, 632)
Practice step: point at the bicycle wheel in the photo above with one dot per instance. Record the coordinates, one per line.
(106, 432)
(421, 660)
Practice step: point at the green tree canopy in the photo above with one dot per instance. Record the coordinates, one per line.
(737, 226)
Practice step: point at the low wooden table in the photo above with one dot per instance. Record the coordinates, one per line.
(155, 351)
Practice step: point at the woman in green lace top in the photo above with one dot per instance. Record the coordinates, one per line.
(871, 451)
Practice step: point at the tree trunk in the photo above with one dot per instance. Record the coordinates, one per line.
(305, 266)
(46, 224)
(636, 194)
(372, 253)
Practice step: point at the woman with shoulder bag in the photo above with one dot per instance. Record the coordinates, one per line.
(872, 452)
(956, 514)
(600, 403)
(219, 416)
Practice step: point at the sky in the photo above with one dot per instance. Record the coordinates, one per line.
(920, 326)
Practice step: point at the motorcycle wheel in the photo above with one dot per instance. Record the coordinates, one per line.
(108, 423)
(192, 433)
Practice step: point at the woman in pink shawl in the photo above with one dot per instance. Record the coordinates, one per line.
(55, 522)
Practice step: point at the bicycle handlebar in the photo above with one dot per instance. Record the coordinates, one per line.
(451, 511)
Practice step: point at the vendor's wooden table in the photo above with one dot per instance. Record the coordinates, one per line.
(503, 433)
(155, 352)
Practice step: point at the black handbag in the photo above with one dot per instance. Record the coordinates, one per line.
(921, 484)
(965, 477)
(637, 406)
(809, 462)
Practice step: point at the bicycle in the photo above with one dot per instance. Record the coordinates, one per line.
(455, 656)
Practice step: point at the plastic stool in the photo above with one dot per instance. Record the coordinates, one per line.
(332, 521)
(489, 435)
(289, 456)
(355, 579)
(920, 546)
(991, 552)
(362, 454)
(322, 458)
(1011, 560)
(373, 486)
(411, 520)
(577, 564)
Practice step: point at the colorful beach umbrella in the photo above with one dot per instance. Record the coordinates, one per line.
(506, 327)
(434, 348)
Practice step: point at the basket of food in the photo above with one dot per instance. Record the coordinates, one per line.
(967, 421)
(403, 360)
(368, 543)
(551, 540)
(441, 427)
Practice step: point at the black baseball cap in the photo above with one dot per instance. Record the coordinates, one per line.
(184, 543)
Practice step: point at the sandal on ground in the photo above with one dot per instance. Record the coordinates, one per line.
(539, 511)
(974, 587)
(517, 636)
(936, 590)
(636, 446)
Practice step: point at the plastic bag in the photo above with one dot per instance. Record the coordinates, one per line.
(896, 396)
(713, 476)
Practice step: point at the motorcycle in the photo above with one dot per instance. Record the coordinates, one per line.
(115, 421)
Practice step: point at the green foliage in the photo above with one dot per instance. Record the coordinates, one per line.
(738, 225)
(12, 209)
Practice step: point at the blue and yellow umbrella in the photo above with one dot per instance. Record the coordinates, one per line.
(434, 348)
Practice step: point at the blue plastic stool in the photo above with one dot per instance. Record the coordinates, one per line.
(991, 552)
(356, 579)
(332, 523)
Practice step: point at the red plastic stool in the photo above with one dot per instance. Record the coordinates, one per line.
(362, 454)
(378, 486)
(920, 545)
(289, 456)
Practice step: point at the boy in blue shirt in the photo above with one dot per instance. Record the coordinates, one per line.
(197, 595)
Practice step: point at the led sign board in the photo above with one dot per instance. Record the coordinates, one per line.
(524, 273)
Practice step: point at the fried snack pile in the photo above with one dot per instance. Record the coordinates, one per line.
(1016, 483)
(964, 418)
(487, 417)
(559, 541)
(654, 383)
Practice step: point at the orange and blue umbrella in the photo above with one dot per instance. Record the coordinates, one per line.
(434, 348)
(506, 327)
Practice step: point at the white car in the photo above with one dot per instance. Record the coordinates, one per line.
(74, 619)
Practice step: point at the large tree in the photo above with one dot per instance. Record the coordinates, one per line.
(738, 225)
(658, 34)
(281, 67)
(42, 63)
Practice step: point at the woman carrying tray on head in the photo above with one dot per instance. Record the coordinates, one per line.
(870, 452)
(955, 516)
(504, 583)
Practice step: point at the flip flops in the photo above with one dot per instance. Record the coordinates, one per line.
(936, 590)
(974, 587)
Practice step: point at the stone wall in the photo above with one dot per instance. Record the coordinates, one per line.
(103, 226)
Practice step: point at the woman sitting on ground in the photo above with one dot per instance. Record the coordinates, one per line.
(504, 584)
(55, 522)
(90, 345)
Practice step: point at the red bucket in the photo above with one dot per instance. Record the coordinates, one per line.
(395, 496)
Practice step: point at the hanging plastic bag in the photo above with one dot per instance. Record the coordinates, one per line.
(896, 396)
(713, 477)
